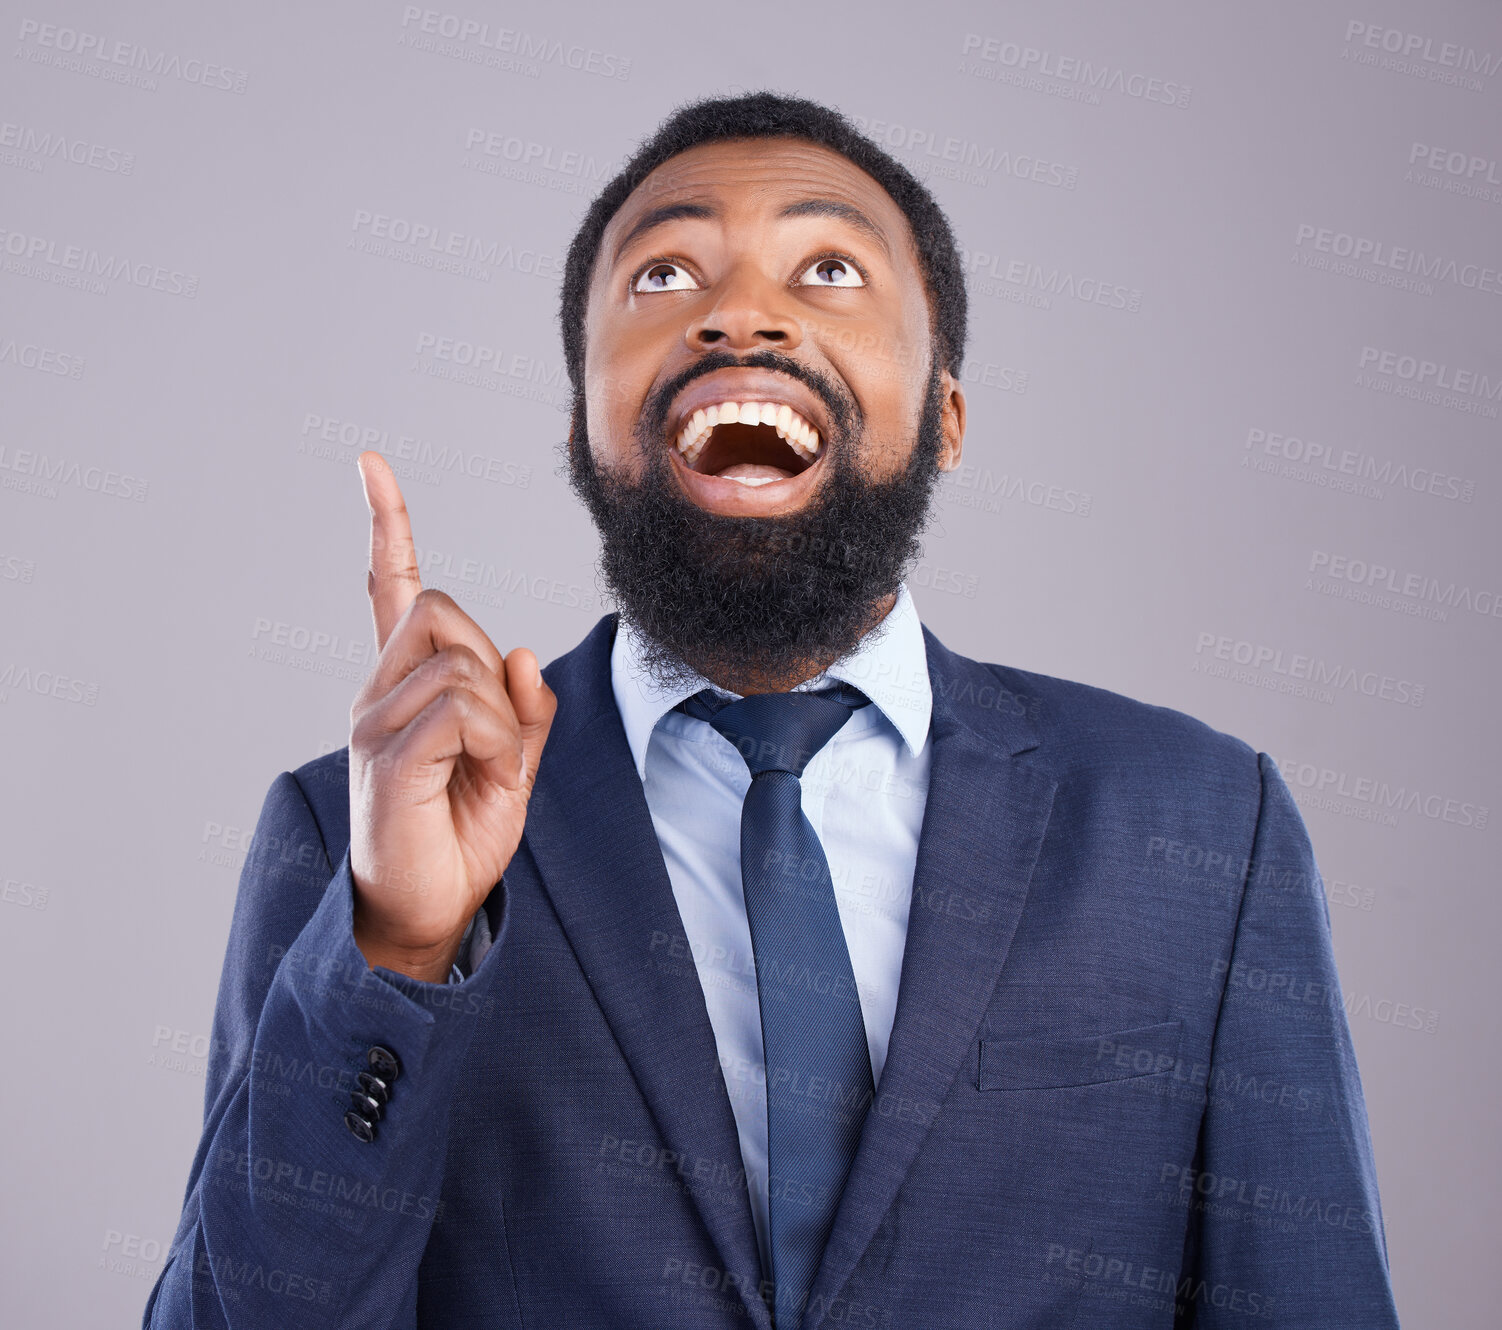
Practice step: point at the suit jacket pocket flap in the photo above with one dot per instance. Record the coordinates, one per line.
(1056, 1061)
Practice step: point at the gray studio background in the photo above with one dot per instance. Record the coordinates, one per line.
(1234, 383)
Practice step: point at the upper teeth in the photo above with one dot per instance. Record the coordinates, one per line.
(800, 435)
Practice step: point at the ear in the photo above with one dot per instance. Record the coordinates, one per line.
(951, 421)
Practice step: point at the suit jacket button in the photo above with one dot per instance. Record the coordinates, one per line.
(374, 1086)
(365, 1105)
(383, 1062)
(361, 1128)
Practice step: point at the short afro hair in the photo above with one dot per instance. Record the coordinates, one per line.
(771, 115)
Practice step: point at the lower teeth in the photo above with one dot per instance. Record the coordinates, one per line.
(753, 473)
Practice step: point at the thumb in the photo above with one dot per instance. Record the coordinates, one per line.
(533, 701)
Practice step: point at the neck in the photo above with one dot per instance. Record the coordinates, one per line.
(747, 682)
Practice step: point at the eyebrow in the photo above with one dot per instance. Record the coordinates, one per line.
(845, 212)
(655, 217)
(672, 212)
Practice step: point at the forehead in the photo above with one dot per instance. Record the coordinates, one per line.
(749, 177)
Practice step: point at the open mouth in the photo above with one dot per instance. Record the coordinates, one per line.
(754, 443)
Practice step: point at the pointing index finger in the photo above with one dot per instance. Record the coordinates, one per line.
(393, 581)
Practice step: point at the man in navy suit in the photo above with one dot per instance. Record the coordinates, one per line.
(763, 960)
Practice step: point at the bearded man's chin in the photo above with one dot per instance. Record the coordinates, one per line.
(736, 599)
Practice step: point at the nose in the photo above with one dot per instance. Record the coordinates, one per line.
(753, 311)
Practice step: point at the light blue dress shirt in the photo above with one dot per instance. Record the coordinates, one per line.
(864, 794)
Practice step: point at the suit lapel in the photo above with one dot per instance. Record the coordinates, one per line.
(591, 834)
(983, 824)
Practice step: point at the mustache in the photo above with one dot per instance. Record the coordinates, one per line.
(844, 411)
(736, 599)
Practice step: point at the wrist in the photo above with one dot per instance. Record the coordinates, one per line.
(430, 964)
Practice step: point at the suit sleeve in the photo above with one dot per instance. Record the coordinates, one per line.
(290, 1219)
(1285, 1223)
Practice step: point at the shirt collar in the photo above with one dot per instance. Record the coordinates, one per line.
(889, 665)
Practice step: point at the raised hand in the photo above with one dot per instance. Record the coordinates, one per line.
(445, 738)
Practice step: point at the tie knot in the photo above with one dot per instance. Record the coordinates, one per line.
(778, 731)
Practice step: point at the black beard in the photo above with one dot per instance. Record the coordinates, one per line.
(741, 600)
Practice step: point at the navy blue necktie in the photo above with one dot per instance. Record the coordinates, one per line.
(818, 1066)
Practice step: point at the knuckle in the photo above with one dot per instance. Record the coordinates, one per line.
(466, 660)
(454, 664)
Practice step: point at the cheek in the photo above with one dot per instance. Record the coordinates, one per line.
(884, 360)
(621, 365)
(607, 392)
(898, 360)
(890, 394)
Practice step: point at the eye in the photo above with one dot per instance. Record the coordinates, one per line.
(832, 272)
(664, 276)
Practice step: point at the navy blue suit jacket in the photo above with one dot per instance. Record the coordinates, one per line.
(1120, 1088)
